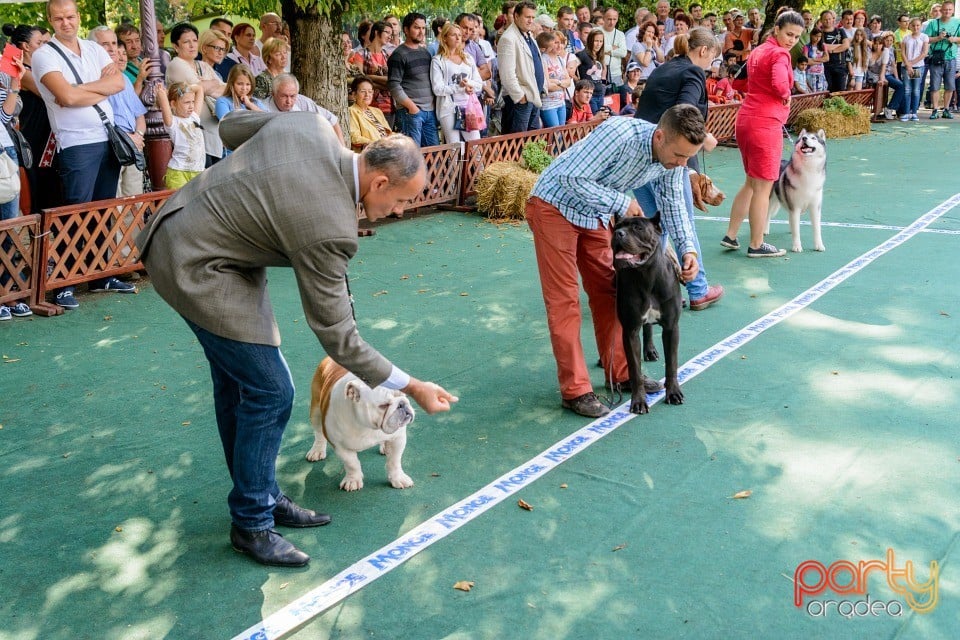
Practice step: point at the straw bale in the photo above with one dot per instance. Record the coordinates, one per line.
(836, 125)
(503, 189)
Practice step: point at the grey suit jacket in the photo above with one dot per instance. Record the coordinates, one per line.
(285, 198)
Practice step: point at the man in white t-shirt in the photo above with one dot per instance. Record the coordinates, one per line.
(287, 97)
(615, 50)
(87, 167)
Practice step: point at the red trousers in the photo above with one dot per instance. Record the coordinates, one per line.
(565, 251)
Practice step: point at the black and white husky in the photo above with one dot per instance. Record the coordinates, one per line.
(800, 186)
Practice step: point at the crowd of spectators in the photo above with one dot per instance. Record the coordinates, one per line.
(462, 80)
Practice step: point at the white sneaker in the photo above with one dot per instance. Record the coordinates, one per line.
(905, 118)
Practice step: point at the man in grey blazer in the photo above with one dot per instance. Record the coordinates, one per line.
(286, 197)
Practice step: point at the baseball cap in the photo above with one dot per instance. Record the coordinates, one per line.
(546, 21)
(633, 65)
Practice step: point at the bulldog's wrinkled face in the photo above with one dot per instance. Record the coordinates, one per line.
(379, 409)
(810, 144)
(635, 241)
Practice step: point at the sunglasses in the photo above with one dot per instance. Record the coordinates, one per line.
(217, 49)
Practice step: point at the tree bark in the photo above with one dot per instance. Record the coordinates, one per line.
(318, 65)
(770, 12)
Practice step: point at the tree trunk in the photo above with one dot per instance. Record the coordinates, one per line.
(770, 15)
(319, 65)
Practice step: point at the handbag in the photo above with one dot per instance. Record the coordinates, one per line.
(459, 118)
(9, 179)
(122, 145)
(473, 114)
(936, 58)
(24, 152)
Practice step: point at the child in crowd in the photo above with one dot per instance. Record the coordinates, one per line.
(859, 58)
(180, 106)
(631, 108)
(719, 88)
(800, 84)
(815, 56)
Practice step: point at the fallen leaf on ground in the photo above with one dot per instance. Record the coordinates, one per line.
(464, 293)
(463, 585)
(108, 318)
(9, 360)
(185, 423)
(620, 546)
(118, 529)
(563, 486)
(739, 495)
(524, 505)
(404, 277)
(944, 313)
(380, 293)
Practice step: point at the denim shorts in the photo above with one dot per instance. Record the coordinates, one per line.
(946, 73)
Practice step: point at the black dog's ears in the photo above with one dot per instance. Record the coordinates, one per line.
(655, 219)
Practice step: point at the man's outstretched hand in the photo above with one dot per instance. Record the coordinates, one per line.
(431, 397)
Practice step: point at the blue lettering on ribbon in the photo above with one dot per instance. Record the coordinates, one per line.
(383, 560)
(560, 453)
(519, 479)
(453, 517)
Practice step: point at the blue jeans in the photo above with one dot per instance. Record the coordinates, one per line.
(252, 396)
(554, 117)
(897, 103)
(913, 90)
(11, 209)
(88, 172)
(696, 288)
(522, 117)
(421, 126)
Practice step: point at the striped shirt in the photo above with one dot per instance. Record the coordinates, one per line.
(587, 182)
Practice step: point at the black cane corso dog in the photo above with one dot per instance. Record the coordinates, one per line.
(648, 292)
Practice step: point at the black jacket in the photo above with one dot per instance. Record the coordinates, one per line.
(677, 81)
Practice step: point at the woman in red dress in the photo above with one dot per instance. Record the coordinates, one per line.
(760, 132)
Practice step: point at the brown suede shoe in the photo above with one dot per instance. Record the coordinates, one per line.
(587, 405)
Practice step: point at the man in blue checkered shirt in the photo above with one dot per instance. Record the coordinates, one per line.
(571, 210)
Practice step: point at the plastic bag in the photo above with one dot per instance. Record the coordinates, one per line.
(473, 114)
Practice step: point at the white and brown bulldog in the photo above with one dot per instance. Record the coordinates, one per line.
(353, 417)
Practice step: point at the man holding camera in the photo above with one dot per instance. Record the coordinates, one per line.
(944, 33)
(582, 94)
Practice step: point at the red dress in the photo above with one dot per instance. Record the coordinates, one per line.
(764, 110)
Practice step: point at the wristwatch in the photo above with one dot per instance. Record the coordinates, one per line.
(142, 133)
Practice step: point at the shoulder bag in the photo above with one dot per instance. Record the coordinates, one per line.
(122, 144)
(24, 152)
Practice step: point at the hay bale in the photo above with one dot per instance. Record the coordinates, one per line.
(836, 125)
(503, 189)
